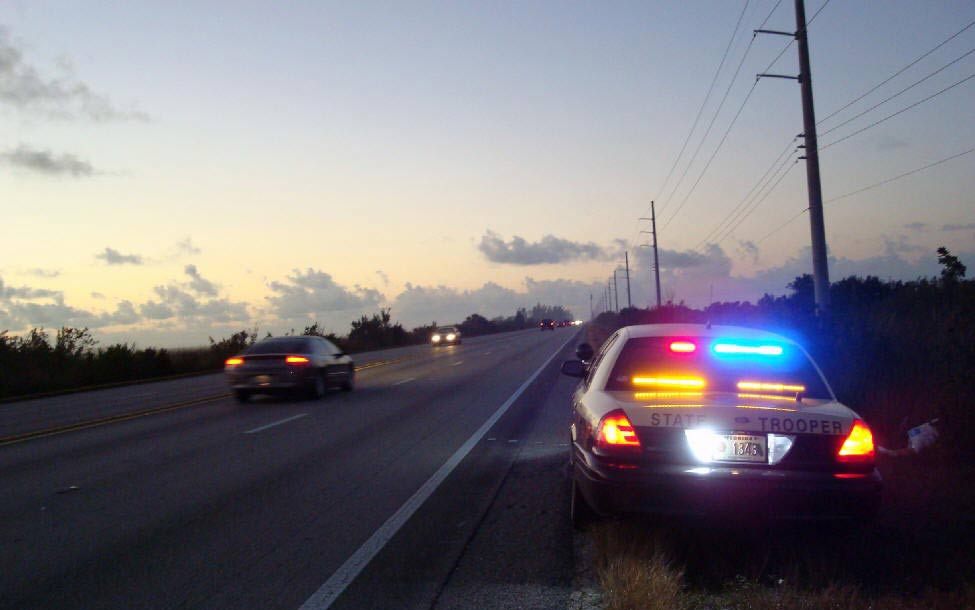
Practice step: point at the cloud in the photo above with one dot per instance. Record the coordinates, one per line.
(198, 283)
(97, 295)
(959, 227)
(22, 86)
(313, 293)
(748, 250)
(548, 250)
(900, 245)
(46, 273)
(113, 257)
(917, 226)
(383, 277)
(46, 162)
(889, 142)
(186, 247)
(25, 292)
(424, 304)
(156, 311)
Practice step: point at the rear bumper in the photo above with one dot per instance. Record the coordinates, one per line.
(723, 490)
(271, 381)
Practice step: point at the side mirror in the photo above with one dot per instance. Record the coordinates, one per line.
(573, 368)
(584, 352)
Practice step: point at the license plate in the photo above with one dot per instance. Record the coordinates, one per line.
(262, 379)
(740, 448)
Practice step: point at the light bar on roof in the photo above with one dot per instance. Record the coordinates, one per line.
(670, 382)
(757, 350)
(764, 386)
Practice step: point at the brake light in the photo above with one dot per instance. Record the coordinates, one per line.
(682, 347)
(858, 446)
(296, 360)
(762, 386)
(670, 382)
(234, 361)
(616, 432)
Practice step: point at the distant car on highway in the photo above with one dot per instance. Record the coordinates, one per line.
(693, 419)
(445, 335)
(547, 324)
(305, 364)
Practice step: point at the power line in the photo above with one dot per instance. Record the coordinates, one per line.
(719, 227)
(756, 205)
(782, 226)
(713, 155)
(707, 97)
(904, 90)
(896, 74)
(899, 176)
(717, 111)
(816, 14)
(793, 41)
(867, 188)
(901, 111)
(734, 120)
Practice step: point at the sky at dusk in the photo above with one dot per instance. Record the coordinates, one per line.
(173, 171)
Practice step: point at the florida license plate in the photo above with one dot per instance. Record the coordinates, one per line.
(740, 448)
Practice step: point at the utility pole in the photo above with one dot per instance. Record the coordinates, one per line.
(629, 299)
(616, 292)
(817, 225)
(656, 260)
(590, 306)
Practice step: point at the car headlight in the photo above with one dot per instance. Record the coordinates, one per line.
(436, 338)
(451, 337)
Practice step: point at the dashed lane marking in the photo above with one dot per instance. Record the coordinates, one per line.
(121, 417)
(277, 423)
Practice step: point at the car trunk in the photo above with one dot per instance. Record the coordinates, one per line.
(749, 431)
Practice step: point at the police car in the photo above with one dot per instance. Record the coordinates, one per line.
(705, 420)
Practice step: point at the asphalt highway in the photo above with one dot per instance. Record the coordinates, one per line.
(439, 482)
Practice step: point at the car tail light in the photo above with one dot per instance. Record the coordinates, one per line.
(858, 446)
(616, 433)
(234, 361)
(670, 382)
(296, 360)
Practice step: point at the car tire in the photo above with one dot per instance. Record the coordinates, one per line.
(242, 396)
(317, 389)
(580, 512)
(349, 384)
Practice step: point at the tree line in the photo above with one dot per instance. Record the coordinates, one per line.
(898, 352)
(36, 362)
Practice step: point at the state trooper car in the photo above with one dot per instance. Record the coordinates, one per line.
(704, 420)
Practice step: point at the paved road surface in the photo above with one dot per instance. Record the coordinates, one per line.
(219, 505)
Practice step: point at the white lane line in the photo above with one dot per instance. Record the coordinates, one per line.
(402, 381)
(488, 353)
(343, 577)
(457, 363)
(277, 423)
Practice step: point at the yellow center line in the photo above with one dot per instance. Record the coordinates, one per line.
(111, 419)
(26, 436)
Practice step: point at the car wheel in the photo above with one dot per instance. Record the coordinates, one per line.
(580, 512)
(317, 389)
(349, 384)
(242, 396)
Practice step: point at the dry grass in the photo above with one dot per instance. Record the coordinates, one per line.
(919, 556)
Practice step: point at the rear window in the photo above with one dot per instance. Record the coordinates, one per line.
(290, 345)
(715, 365)
(446, 329)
